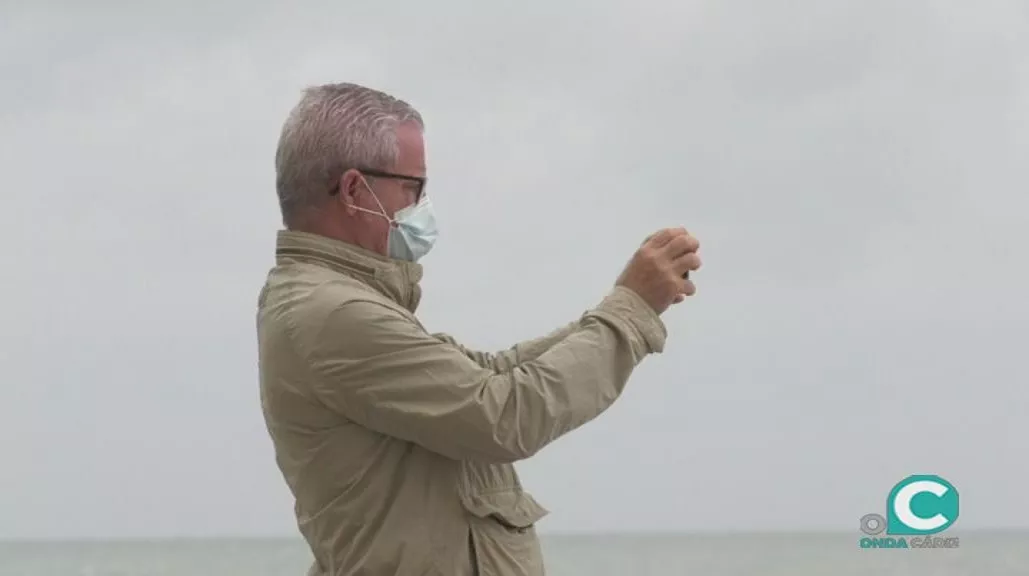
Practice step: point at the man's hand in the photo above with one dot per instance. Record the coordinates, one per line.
(659, 270)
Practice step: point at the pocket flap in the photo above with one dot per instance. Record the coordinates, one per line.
(512, 507)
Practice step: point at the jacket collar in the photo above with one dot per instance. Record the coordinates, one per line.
(396, 279)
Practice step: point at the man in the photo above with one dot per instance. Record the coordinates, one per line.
(397, 444)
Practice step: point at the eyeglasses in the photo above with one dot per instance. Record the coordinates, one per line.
(420, 181)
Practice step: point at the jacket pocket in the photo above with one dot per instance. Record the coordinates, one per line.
(503, 530)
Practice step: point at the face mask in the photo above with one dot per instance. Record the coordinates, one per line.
(412, 230)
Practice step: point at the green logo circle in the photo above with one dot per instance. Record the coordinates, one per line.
(921, 504)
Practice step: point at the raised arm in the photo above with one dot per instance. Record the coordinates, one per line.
(383, 371)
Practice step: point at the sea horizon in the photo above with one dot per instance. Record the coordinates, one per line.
(829, 552)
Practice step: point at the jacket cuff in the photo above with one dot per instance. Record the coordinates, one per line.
(628, 307)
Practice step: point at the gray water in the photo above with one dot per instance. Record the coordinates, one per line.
(979, 554)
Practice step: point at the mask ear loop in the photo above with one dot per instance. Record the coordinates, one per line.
(375, 197)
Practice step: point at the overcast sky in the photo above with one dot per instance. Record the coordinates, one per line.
(857, 172)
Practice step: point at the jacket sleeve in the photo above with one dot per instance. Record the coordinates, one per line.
(506, 360)
(383, 371)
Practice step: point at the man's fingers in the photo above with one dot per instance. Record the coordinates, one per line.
(663, 237)
(680, 245)
(659, 238)
(674, 250)
(686, 263)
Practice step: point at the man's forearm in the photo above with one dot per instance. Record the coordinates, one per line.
(506, 360)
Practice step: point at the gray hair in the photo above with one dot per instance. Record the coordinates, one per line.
(335, 127)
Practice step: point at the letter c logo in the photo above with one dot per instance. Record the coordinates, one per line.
(921, 505)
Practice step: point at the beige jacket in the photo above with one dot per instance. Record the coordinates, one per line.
(398, 444)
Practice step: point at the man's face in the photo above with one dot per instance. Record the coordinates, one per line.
(393, 191)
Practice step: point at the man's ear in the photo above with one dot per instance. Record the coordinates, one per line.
(350, 185)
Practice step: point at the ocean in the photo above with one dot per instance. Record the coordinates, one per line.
(978, 554)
